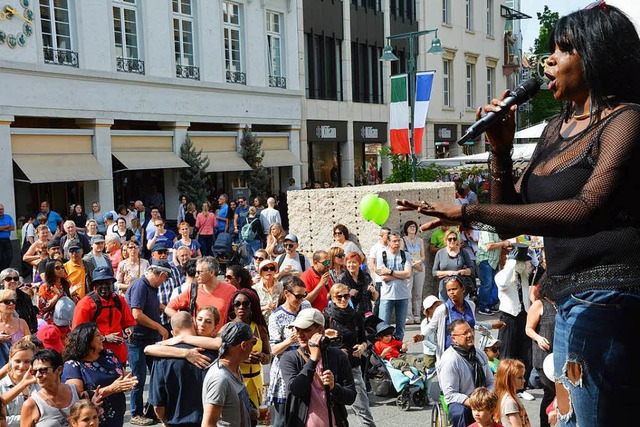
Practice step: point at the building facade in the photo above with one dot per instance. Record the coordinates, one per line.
(100, 95)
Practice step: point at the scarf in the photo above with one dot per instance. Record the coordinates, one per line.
(479, 378)
(341, 315)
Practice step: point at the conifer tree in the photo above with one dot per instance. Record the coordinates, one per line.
(194, 179)
(251, 151)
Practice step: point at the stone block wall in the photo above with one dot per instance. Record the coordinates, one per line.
(314, 213)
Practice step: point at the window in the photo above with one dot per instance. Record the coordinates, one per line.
(366, 73)
(469, 85)
(274, 50)
(491, 83)
(125, 31)
(446, 83)
(232, 25)
(489, 17)
(183, 40)
(446, 11)
(323, 63)
(56, 33)
(469, 14)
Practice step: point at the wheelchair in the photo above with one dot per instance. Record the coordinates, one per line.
(439, 411)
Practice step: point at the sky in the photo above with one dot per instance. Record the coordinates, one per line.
(530, 27)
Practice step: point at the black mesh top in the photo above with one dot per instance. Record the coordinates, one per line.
(580, 193)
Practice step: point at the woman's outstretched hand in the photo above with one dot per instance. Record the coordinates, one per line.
(445, 214)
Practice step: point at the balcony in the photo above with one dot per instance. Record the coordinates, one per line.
(187, 72)
(61, 57)
(278, 81)
(236, 77)
(129, 65)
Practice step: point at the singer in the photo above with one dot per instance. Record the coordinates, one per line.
(577, 192)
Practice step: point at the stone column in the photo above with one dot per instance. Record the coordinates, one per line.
(171, 176)
(102, 151)
(347, 161)
(7, 192)
(294, 147)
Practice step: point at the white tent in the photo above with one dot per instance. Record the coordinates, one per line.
(521, 153)
(531, 132)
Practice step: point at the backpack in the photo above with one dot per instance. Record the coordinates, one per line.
(303, 262)
(402, 255)
(98, 302)
(248, 234)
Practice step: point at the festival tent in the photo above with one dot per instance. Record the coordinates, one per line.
(521, 153)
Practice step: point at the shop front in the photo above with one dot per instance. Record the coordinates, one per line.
(326, 140)
(368, 139)
(444, 135)
(467, 148)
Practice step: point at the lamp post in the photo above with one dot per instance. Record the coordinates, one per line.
(387, 55)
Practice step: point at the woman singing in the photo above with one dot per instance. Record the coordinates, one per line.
(575, 192)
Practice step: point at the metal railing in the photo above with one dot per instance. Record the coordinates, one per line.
(237, 77)
(61, 57)
(278, 81)
(129, 65)
(187, 72)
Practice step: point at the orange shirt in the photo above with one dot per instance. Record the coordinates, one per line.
(220, 298)
(76, 275)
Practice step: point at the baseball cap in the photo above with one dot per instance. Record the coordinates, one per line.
(74, 247)
(307, 318)
(159, 247)
(429, 301)
(108, 215)
(163, 265)
(98, 238)
(54, 243)
(488, 340)
(291, 237)
(50, 337)
(102, 273)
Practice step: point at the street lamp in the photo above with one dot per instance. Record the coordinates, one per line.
(387, 55)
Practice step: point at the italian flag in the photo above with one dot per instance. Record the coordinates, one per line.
(399, 111)
(424, 82)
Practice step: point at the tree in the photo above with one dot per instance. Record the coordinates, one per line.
(194, 179)
(548, 20)
(258, 178)
(401, 169)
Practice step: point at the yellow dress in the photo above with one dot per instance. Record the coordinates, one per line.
(251, 372)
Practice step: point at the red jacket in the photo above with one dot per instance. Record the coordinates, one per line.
(111, 320)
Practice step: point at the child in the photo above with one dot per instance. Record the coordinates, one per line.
(83, 413)
(491, 348)
(508, 380)
(389, 349)
(429, 304)
(483, 404)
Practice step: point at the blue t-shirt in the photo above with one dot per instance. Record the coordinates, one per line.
(194, 246)
(165, 239)
(53, 219)
(242, 213)
(6, 220)
(101, 372)
(454, 314)
(172, 386)
(222, 217)
(143, 296)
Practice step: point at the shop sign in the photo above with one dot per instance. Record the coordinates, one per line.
(326, 131)
(445, 133)
(369, 132)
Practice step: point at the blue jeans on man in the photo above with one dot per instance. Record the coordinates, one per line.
(139, 363)
(488, 293)
(401, 306)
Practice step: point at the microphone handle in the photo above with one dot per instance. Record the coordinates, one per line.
(476, 129)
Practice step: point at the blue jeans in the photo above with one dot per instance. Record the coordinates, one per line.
(400, 306)
(460, 415)
(594, 354)
(488, 293)
(139, 364)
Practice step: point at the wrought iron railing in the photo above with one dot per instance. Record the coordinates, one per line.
(237, 77)
(129, 65)
(61, 57)
(278, 81)
(187, 72)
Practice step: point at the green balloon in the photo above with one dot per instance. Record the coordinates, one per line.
(369, 206)
(382, 213)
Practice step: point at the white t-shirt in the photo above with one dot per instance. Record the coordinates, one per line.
(28, 230)
(294, 262)
(373, 253)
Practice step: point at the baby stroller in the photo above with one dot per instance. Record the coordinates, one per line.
(384, 380)
(224, 252)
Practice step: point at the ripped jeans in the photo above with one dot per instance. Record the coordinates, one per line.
(596, 365)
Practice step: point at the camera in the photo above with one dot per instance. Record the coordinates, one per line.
(331, 338)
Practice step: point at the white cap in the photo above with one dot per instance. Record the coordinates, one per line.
(429, 301)
(307, 318)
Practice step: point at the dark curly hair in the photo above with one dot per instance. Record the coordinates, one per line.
(78, 341)
(256, 312)
(242, 276)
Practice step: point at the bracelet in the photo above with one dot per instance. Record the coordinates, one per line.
(391, 273)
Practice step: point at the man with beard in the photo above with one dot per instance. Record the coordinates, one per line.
(109, 310)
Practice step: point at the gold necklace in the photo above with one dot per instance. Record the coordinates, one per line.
(581, 116)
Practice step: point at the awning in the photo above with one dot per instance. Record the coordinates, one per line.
(40, 168)
(142, 160)
(277, 158)
(521, 153)
(226, 161)
(531, 132)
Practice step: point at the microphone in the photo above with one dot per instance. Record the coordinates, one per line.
(517, 96)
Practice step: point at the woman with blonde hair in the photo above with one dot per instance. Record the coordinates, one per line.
(275, 240)
(336, 267)
(206, 223)
(508, 380)
(16, 386)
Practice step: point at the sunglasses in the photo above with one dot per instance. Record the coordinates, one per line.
(268, 268)
(258, 258)
(340, 256)
(453, 239)
(299, 296)
(326, 263)
(74, 250)
(40, 371)
(243, 304)
(159, 225)
(345, 297)
(289, 245)
(12, 279)
(337, 233)
(163, 251)
(229, 277)
(9, 301)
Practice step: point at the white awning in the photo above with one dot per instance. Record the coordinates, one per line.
(531, 132)
(41, 168)
(521, 153)
(226, 161)
(276, 158)
(143, 160)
